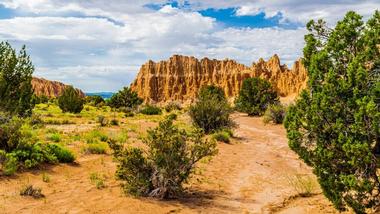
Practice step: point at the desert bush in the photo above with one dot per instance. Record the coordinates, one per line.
(58, 122)
(102, 120)
(222, 136)
(98, 180)
(172, 116)
(19, 147)
(275, 113)
(29, 190)
(161, 169)
(129, 114)
(151, 110)
(211, 112)
(303, 185)
(15, 81)
(96, 148)
(211, 91)
(55, 137)
(95, 136)
(125, 98)
(70, 100)
(45, 178)
(39, 99)
(36, 121)
(334, 124)
(62, 154)
(95, 100)
(173, 106)
(255, 96)
(114, 122)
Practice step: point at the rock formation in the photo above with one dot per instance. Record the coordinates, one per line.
(180, 77)
(49, 88)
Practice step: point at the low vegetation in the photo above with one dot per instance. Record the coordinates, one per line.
(275, 113)
(125, 98)
(211, 112)
(255, 96)
(151, 110)
(165, 165)
(34, 192)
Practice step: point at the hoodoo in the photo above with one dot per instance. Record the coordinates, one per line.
(180, 77)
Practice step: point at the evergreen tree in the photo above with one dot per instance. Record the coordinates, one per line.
(255, 96)
(335, 124)
(125, 98)
(70, 100)
(15, 81)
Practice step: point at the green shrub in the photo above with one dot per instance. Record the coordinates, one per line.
(129, 114)
(98, 180)
(55, 137)
(167, 163)
(102, 120)
(62, 154)
(275, 113)
(71, 100)
(334, 124)
(172, 106)
(222, 136)
(211, 112)
(125, 98)
(19, 147)
(151, 110)
(114, 122)
(97, 148)
(255, 96)
(172, 116)
(95, 136)
(95, 100)
(45, 178)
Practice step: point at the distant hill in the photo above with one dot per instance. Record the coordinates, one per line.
(49, 88)
(105, 95)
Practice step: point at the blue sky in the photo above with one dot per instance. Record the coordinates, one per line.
(99, 45)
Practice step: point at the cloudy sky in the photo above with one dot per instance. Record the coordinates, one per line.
(99, 45)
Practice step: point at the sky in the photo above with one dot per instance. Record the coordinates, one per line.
(99, 45)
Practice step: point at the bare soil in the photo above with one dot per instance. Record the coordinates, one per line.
(250, 175)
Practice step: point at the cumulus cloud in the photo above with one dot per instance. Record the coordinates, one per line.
(99, 46)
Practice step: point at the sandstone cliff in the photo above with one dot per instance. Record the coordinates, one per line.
(49, 88)
(180, 77)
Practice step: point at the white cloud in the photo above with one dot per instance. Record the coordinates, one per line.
(99, 45)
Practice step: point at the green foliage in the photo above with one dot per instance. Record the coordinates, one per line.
(151, 110)
(39, 99)
(114, 122)
(211, 111)
(173, 106)
(125, 98)
(98, 180)
(19, 147)
(55, 137)
(71, 100)
(222, 136)
(211, 91)
(172, 116)
(97, 148)
(335, 124)
(255, 96)
(275, 113)
(15, 81)
(161, 169)
(45, 177)
(95, 100)
(102, 120)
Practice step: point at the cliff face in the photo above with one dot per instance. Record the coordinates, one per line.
(180, 77)
(49, 88)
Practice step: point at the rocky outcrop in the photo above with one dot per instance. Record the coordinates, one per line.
(180, 77)
(49, 88)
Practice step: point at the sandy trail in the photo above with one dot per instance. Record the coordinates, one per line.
(251, 175)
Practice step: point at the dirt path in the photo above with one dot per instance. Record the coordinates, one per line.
(251, 175)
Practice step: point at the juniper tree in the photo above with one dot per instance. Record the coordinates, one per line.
(335, 124)
(15, 81)
(70, 100)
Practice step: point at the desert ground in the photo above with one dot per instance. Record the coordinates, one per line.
(255, 173)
